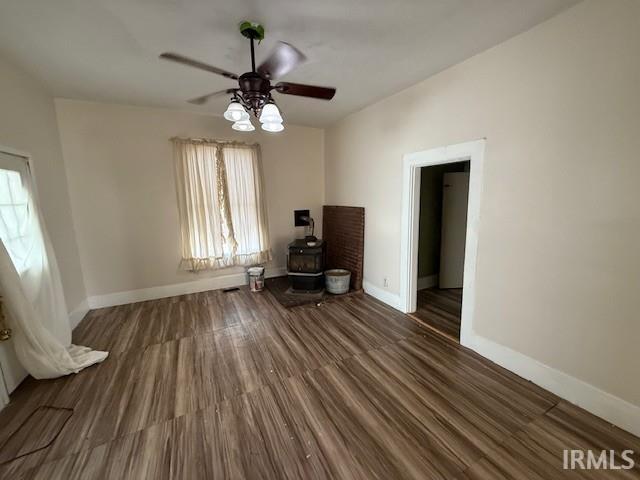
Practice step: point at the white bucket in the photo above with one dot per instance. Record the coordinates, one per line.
(336, 281)
(256, 278)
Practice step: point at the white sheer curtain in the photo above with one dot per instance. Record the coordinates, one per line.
(245, 193)
(221, 204)
(205, 240)
(30, 285)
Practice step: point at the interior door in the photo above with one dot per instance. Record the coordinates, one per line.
(13, 213)
(455, 194)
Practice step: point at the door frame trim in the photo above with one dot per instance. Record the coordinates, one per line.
(473, 152)
(16, 153)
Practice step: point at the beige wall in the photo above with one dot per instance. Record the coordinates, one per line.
(558, 262)
(120, 168)
(28, 124)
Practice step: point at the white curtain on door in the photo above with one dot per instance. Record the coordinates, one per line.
(31, 289)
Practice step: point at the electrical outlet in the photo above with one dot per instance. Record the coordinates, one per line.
(385, 282)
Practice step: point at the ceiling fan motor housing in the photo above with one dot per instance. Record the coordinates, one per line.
(254, 82)
(255, 89)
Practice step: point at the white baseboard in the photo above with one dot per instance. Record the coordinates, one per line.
(428, 281)
(152, 293)
(391, 299)
(78, 313)
(602, 404)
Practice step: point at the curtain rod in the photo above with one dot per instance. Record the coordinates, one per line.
(212, 140)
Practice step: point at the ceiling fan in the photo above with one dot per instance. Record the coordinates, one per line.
(253, 93)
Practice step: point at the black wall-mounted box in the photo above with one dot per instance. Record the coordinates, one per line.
(297, 218)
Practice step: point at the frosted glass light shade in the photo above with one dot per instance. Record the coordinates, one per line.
(244, 125)
(236, 113)
(273, 127)
(270, 114)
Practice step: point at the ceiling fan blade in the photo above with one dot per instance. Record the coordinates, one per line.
(302, 90)
(174, 57)
(204, 98)
(282, 60)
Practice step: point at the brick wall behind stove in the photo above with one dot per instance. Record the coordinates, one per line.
(343, 230)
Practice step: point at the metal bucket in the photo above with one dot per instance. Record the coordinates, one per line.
(256, 278)
(337, 280)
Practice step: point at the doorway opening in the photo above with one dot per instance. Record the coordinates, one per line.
(473, 153)
(444, 192)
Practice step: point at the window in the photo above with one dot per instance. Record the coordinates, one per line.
(14, 218)
(223, 219)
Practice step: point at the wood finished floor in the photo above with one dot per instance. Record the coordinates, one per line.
(232, 385)
(440, 309)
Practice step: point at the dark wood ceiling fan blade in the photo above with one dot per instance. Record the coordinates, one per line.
(302, 90)
(282, 60)
(205, 98)
(175, 57)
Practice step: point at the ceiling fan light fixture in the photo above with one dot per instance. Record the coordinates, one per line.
(236, 113)
(252, 96)
(270, 114)
(243, 125)
(273, 126)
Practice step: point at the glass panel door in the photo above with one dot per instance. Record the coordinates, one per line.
(14, 220)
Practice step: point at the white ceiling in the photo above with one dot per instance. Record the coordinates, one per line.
(107, 50)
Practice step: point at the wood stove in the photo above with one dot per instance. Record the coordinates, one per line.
(305, 265)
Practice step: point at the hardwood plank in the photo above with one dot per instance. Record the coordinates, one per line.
(440, 309)
(233, 385)
(536, 451)
(38, 431)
